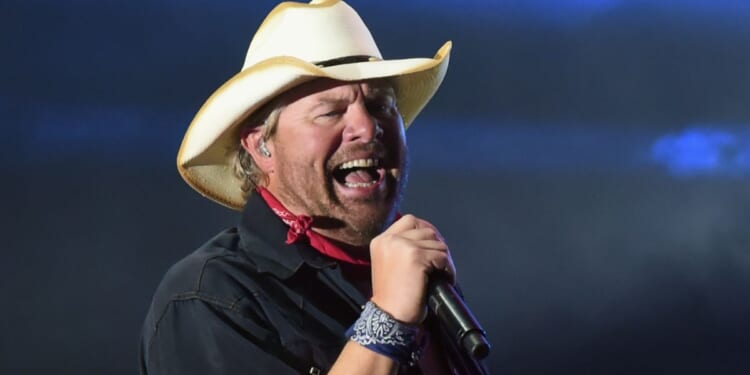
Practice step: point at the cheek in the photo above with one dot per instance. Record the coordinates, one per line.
(313, 148)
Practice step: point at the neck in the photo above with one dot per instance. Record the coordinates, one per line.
(336, 230)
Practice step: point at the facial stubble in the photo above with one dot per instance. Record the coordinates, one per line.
(351, 221)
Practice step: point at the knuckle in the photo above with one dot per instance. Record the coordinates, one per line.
(409, 219)
(377, 244)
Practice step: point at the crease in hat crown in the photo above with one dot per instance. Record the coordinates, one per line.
(329, 21)
(283, 53)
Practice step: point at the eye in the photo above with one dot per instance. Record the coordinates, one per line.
(331, 113)
(381, 107)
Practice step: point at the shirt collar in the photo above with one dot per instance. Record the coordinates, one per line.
(300, 229)
(262, 236)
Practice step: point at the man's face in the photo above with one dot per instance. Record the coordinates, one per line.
(339, 155)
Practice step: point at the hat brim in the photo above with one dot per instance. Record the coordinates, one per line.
(205, 158)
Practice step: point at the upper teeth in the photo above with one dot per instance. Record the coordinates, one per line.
(360, 163)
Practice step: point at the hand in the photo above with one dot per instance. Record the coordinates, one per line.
(403, 257)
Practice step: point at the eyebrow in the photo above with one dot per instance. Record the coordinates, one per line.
(375, 92)
(328, 101)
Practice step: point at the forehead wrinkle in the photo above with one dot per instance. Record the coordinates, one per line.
(346, 94)
(339, 94)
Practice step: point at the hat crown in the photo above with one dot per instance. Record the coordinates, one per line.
(319, 31)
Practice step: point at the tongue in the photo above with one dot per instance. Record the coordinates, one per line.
(358, 176)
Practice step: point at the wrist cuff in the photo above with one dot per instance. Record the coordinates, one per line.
(380, 332)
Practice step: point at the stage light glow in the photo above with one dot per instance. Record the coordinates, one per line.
(701, 151)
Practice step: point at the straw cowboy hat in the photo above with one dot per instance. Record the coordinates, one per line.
(296, 43)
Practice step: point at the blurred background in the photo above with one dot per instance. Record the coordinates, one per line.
(588, 162)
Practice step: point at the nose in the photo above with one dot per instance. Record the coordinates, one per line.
(361, 126)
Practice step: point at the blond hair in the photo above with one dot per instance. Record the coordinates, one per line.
(245, 168)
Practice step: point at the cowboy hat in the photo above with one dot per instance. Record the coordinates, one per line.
(296, 43)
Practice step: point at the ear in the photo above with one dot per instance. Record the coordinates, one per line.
(251, 139)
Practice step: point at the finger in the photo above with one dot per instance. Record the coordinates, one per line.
(451, 270)
(410, 221)
(437, 261)
(421, 234)
(426, 224)
(432, 245)
(404, 243)
(406, 222)
(443, 265)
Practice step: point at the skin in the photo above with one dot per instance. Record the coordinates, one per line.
(324, 124)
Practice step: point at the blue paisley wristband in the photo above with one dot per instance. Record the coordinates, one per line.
(380, 332)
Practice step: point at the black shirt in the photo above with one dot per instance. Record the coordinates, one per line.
(246, 302)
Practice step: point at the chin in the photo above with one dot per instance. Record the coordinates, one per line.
(369, 222)
(366, 216)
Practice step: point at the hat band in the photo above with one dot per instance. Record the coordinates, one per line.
(345, 60)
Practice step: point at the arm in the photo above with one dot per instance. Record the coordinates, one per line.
(402, 259)
(204, 336)
(356, 359)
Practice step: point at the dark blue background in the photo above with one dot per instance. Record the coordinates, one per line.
(588, 162)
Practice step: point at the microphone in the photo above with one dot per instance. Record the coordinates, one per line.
(456, 318)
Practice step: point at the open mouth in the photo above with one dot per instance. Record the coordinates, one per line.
(359, 173)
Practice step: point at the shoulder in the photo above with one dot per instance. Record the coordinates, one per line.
(205, 317)
(219, 273)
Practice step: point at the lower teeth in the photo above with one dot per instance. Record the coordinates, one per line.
(359, 184)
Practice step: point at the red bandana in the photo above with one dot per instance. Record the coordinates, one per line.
(301, 226)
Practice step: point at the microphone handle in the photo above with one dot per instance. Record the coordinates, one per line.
(456, 318)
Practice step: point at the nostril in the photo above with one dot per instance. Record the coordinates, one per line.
(365, 132)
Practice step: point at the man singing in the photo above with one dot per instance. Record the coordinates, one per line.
(321, 274)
